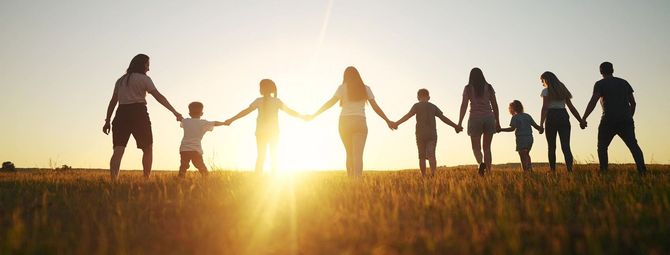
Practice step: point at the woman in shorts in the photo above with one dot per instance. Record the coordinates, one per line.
(484, 119)
(132, 117)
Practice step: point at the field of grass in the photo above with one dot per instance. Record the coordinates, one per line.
(456, 212)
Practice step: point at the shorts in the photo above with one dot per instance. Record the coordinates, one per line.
(524, 143)
(132, 119)
(194, 157)
(426, 146)
(481, 125)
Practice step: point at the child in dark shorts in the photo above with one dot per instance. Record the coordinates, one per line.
(426, 132)
(521, 123)
(191, 148)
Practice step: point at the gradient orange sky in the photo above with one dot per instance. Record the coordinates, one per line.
(60, 61)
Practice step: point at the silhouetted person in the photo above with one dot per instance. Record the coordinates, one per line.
(554, 117)
(190, 150)
(352, 95)
(484, 119)
(426, 132)
(132, 117)
(618, 103)
(522, 125)
(267, 122)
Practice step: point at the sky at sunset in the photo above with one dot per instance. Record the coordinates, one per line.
(59, 61)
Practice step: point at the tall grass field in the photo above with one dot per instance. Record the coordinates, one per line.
(394, 212)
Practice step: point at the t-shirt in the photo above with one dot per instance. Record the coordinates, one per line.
(523, 124)
(352, 108)
(553, 104)
(425, 119)
(267, 121)
(614, 97)
(133, 89)
(194, 130)
(479, 106)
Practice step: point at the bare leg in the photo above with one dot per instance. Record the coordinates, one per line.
(346, 138)
(523, 160)
(261, 146)
(183, 164)
(477, 148)
(115, 162)
(199, 163)
(422, 166)
(488, 138)
(433, 165)
(358, 146)
(147, 160)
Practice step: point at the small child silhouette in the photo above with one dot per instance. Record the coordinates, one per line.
(267, 123)
(194, 129)
(426, 132)
(521, 123)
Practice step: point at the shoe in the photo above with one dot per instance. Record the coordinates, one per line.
(482, 168)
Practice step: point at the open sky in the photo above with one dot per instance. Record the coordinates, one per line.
(59, 61)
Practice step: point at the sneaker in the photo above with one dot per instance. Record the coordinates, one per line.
(482, 168)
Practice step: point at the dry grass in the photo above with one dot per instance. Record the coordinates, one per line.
(457, 212)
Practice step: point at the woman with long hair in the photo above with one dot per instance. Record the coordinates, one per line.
(555, 96)
(132, 117)
(484, 120)
(353, 95)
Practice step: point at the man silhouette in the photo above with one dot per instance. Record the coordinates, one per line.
(618, 105)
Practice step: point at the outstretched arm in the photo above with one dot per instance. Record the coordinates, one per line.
(494, 106)
(290, 111)
(239, 115)
(163, 101)
(447, 121)
(405, 118)
(381, 114)
(326, 106)
(110, 110)
(464, 107)
(573, 110)
(451, 123)
(538, 127)
(509, 129)
(591, 105)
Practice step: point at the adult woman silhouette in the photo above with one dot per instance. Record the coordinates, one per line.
(353, 95)
(484, 119)
(132, 117)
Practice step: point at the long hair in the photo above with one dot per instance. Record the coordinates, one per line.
(268, 86)
(137, 65)
(516, 106)
(354, 84)
(477, 81)
(556, 89)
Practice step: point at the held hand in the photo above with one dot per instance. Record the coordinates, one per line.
(541, 130)
(391, 125)
(458, 129)
(498, 128)
(307, 117)
(227, 122)
(105, 128)
(178, 116)
(583, 124)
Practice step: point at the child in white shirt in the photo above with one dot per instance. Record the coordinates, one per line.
(194, 129)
